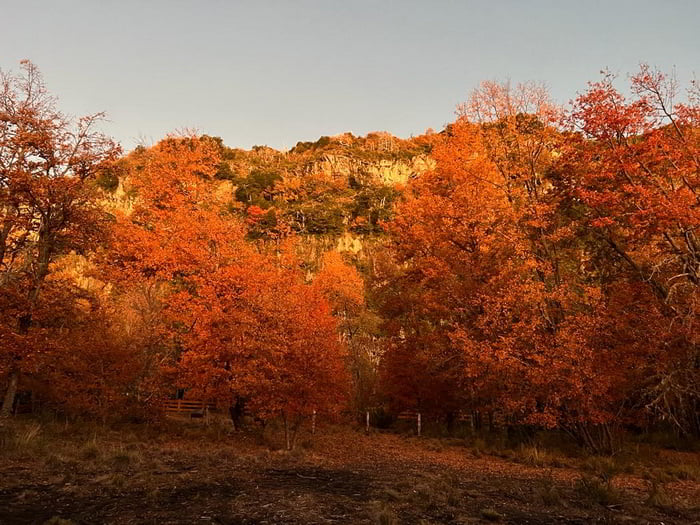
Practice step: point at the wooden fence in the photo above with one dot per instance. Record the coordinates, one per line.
(495, 419)
(187, 406)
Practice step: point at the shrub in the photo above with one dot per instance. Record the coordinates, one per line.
(595, 490)
(657, 496)
(547, 492)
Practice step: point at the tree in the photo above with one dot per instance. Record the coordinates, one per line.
(48, 201)
(450, 228)
(92, 369)
(274, 344)
(343, 286)
(635, 165)
(240, 324)
(488, 305)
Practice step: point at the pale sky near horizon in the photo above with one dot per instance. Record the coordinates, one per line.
(278, 72)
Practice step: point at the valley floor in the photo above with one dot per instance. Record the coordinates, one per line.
(187, 473)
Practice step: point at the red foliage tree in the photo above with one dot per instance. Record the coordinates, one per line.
(48, 203)
(636, 167)
(243, 323)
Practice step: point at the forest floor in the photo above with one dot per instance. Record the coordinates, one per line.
(193, 473)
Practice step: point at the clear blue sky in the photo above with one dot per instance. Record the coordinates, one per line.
(274, 72)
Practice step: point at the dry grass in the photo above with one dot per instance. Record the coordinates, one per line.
(491, 515)
(332, 474)
(548, 492)
(58, 521)
(658, 497)
(385, 515)
(593, 490)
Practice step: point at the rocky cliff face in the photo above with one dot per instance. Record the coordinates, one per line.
(334, 193)
(384, 171)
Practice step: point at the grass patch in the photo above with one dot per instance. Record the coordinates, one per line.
(657, 496)
(684, 472)
(547, 492)
(56, 520)
(594, 490)
(491, 515)
(605, 467)
(385, 515)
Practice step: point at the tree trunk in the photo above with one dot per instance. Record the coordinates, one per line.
(236, 412)
(288, 445)
(295, 432)
(450, 420)
(598, 439)
(9, 400)
(24, 323)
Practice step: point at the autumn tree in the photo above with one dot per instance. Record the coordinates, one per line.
(344, 288)
(48, 203)
(489, 304)
(272, 343)
(170, 238)
(635, 165)
(240, 324)
(90, 371)
(434, 231)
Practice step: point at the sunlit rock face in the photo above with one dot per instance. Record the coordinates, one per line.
(385, 171)
(334, 194)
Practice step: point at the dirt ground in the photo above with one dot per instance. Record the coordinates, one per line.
(197, 474)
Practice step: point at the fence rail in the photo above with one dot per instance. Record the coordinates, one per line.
(497, 418)
(186, 406)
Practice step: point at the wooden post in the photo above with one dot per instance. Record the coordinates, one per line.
(367, 422)
(418, 424)
(313, 422)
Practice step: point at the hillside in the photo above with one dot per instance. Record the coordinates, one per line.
(334, 187)
(334, 193)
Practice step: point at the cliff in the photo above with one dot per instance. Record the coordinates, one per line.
(386, 171)
(334, 193)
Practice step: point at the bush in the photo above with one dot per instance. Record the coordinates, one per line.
(225, 172)
(256, 187)
(547, 492)
(595, 490)
(108, 180)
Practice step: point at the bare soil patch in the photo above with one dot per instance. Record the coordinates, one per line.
(196, 474)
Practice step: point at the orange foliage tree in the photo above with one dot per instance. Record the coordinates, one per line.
(48, 205)
(241, 325)
(344, 288)
(635, 165)
(489, 305)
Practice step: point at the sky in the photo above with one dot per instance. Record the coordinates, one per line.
(278, 72)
